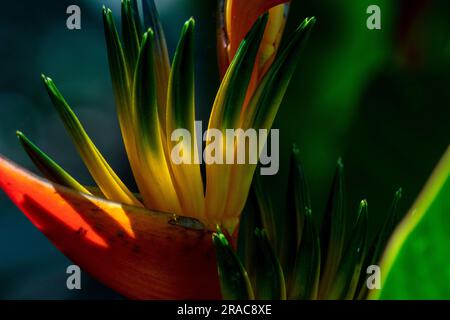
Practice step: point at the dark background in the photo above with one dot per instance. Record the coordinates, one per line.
(377, 98)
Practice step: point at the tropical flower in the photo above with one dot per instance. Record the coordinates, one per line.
(157, 244)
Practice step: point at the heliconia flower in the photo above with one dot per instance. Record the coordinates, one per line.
(158, 243)
(236, 19)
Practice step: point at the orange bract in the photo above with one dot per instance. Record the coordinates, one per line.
(136, 252)
(238, 17)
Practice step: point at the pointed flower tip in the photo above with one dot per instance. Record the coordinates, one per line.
(398, 194)
(149, 32)
(364, 204)
(44, 77)
(260, 233)
(306, 25)
(22, 138)
(310, 21)
(264, 16)
(49, 85)
(19, 134)
(189, 25)
(147, 36)
(126, 5)
(340, 163)
(363, 210)
(219, 238)
(47, 80)
(215, 237)
(106, 12)
(258, 27)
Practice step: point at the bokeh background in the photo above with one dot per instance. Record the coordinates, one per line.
(379, 99)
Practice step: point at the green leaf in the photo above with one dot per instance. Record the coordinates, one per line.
(304, 281)
(181, 115)
(123, 89)
(333, 232)
(131, 36)
(267, 99)
(347, 276)
(234, 281)
(224, 200)
(161, 56)
(379, 244)
(416, 264)
(241, 70)
(181, 107)
(121, 79)
(269, 278)
(49, 168)
(149, 146)
(109, 183)
(144, 98)
(298, 203)
(230, 98)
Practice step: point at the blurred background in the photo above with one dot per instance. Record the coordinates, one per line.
(379, 99)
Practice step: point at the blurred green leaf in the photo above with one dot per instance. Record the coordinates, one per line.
(347, 275)
(269, 278)
(298, 203)
(234, 281)
(304, 282)
(333, 232)
(265, 209)
(250, 221)
(181, 96)
(415, 264)
(379, 244)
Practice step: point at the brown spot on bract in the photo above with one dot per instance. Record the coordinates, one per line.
(120, 234)
(136, 249)
(81, 232)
